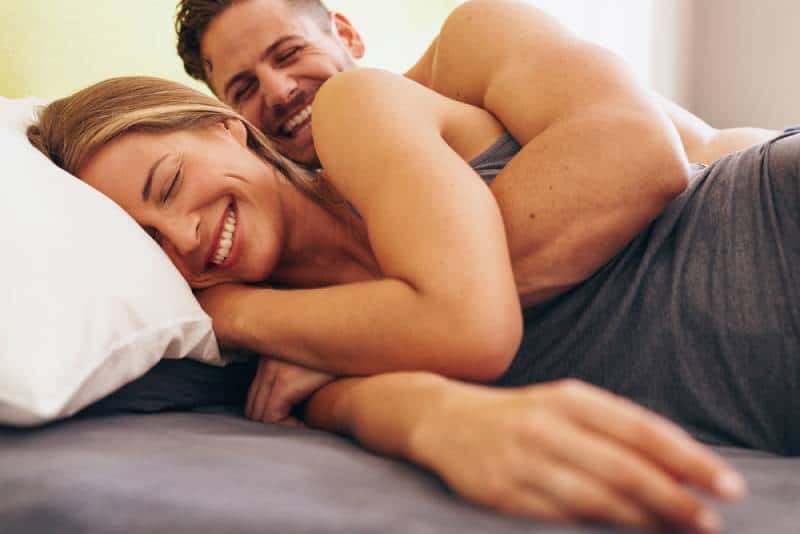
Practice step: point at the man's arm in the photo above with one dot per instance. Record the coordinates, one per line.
(702, 142)
(563, 451)
(706, 144)
(600, 159)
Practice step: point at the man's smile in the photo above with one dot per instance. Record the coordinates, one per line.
(297, 121)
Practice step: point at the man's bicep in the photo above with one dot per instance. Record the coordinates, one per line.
(527, 69)
(580, 80)
(480, 39)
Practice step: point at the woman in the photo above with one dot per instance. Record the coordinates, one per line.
(423, 281)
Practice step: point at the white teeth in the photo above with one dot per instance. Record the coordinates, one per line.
(297, 120)
(225, 239)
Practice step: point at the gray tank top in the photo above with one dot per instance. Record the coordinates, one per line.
(698, 318)
(494, 159)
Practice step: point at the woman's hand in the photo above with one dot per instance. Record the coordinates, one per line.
(568, 451)
(277, 387)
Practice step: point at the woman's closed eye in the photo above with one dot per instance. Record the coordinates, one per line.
(171, 186)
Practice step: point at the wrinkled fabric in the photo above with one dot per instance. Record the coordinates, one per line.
(699, 317)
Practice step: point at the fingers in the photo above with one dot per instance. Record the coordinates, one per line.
(530, 503)
(652, 436)
(253, 389)
(292, 422)
(260, 394)
(607, 481)
(582, 497)
(277, 387)
(261, 390)
(295, 385)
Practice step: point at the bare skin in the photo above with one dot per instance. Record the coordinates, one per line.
(705, 144)
(590, 112)
(446, 61)
(560, 222)
(202, 173)
(431, 273)
(267, 95)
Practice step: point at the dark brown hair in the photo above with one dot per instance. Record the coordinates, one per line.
(194, 17)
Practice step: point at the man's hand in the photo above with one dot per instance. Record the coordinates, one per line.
(568, 451)
(278, 387)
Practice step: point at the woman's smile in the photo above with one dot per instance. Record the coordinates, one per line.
(225, 244)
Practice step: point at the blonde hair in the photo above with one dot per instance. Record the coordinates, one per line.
(71, 130)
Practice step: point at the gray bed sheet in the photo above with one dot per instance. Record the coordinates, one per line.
(212, 471)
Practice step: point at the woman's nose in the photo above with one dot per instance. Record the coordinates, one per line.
(183, 235)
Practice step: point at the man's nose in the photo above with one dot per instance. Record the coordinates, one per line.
(278, 88)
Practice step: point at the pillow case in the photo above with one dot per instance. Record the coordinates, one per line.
(89, 301)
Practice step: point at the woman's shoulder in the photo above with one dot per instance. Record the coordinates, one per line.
(370, 105)
(373, 98)
(370, 87)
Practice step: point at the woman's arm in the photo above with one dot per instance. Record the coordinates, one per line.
(563, 451)
(448, 302)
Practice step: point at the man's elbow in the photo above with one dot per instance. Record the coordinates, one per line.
(673, 177)
(663, 166)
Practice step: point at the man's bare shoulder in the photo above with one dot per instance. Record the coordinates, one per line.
(481, 37)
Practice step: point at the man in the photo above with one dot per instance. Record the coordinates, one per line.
(221, 42)
(594, 142)
(590, 134)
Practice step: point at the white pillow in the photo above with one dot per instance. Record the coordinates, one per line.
(89, 301)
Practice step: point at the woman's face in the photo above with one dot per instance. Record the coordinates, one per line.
(210, 202)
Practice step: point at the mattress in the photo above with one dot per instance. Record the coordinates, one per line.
(171, 452)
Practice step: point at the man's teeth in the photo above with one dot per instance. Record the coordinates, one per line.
(297, 120)
(225, 239)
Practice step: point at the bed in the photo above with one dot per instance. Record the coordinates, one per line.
(171, 452)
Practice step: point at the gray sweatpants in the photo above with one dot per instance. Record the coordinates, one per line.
(699, 317)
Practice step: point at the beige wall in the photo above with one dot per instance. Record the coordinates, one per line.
(49, 48)
(733, 62)
(744, 64)
(671, 33)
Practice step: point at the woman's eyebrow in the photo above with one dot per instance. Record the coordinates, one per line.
(148, 184)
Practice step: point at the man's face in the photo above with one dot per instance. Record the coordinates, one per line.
(268, 61)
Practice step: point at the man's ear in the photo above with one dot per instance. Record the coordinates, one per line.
(236, 129)
(343, 28)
